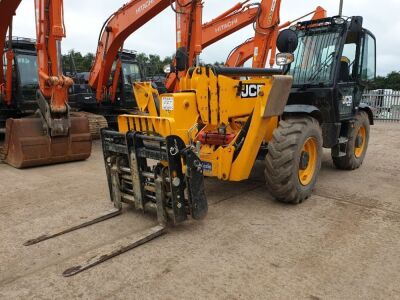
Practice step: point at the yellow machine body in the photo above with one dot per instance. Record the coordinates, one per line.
(246, 110)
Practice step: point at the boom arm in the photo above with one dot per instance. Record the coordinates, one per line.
(232, 20)
(115, 31)
(49, 33)
(245, 51)
(266, 31)
(225, 25)
(7, 9)
(188, 39)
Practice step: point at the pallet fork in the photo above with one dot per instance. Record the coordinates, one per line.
(135, 178)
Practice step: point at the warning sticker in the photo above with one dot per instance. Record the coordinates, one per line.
(167, 103)
(207, 166)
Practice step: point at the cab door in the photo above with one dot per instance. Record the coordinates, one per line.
(348, 89)
(356, 68)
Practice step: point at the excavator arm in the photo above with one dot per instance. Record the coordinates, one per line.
(191, 40)
(7, 9)
(266, 32)
(50, 31)
(54, 136)
(117, 28)
(250, 47)
(53, 85)
(234, 19)
(189, 35)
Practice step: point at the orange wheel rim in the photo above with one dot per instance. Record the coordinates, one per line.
(360, 145)
(308, 161)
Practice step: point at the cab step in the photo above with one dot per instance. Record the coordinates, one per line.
(340, 149)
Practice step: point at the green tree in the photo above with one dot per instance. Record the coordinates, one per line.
(75, 61)
(219, 64)
(390, 81)
(152, 64)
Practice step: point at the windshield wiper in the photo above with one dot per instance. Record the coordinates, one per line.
(30, 85)
(326, 62)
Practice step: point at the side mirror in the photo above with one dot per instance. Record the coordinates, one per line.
(181, 59)
(287, 41)
(167, 69)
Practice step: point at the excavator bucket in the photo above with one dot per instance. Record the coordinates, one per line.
(27, 143)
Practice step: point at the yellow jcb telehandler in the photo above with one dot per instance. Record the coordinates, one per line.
(223, 119)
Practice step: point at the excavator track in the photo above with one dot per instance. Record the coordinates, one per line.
(2, 154)
(2, 145)
(96, 123)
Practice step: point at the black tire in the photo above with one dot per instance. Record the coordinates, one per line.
(351, 161)
(283, 158)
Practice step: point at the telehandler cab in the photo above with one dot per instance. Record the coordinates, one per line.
(333, 64)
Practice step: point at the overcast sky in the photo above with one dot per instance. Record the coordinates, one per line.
(84, 19)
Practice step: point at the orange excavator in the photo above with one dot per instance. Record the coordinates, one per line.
(53, 135)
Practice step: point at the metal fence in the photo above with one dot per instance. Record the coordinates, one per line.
(385, 104)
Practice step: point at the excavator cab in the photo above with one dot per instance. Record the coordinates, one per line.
(131, 72)
(117, 97)
(24, 79)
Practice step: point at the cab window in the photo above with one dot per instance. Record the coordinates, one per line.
(368, 61)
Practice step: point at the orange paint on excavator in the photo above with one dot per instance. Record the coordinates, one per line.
(54, 136)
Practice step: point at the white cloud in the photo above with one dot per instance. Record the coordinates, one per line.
(84, 19)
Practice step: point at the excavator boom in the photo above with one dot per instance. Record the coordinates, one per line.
(246, 50)
(221, 27)
(7, 9)
(192, 37)
(118, 27)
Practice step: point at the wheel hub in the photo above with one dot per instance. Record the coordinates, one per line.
(308, 161)
(359, 141)
(304, 160)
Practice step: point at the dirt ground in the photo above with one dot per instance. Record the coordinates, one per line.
(342, 243)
